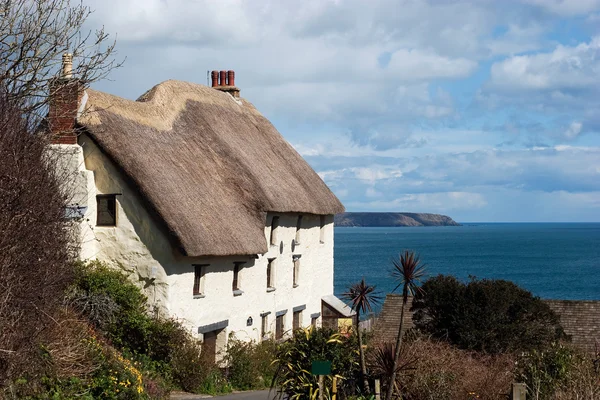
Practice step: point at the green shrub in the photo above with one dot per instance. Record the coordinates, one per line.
(493, 316)
(293, 376)
(250, 364)
(545, 371)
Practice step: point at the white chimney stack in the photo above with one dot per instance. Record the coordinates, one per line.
(67, 66)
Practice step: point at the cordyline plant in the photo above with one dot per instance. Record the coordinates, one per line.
(362, 298)
(408, 272)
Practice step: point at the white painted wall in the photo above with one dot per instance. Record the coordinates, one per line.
(138, 245)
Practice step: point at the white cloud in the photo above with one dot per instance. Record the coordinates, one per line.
(564, 68)
(567, 7)
(573, 131)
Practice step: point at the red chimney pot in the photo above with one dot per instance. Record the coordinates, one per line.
(214, 76)
(230, 78)
(223, 78)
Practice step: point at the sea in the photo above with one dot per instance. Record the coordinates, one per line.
(551, 260)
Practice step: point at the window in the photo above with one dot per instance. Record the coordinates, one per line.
(271, 274)
(274, 225)
(296, 272)
(107, 210)
(235, 285)
(199, 272)
(297, 320)
(298, 227)
(322, 228)
(313, 321)
(279, 326)
(264, 326)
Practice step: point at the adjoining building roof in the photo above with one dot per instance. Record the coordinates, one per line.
(339, 306)
(209, 164)
(581, 321)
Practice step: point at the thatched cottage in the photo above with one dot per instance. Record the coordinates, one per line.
(197, 195)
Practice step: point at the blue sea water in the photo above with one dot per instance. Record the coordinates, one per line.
(552, 260)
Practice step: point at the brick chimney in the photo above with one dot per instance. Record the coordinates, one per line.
(225, 82)
(65, 95)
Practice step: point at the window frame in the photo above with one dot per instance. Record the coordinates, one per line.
(235, 283)
(274, 226)
(198, 290)
(270, 274)
(110, 197)
(298, 228)
(296, 270)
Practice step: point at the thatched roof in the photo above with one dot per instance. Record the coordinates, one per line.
(211, 166)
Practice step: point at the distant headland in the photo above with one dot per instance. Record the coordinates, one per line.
(392, 219)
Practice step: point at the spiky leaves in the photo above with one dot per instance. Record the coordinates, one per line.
(409, 272)
(362, 297)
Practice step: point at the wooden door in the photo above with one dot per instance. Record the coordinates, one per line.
(209, 347)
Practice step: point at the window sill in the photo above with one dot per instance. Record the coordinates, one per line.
(237, 292)
(295, 285)
(199, 296)
(270, 289)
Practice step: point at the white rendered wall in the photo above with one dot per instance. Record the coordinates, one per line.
(138, 245)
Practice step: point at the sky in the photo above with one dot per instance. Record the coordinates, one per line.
(480, 110)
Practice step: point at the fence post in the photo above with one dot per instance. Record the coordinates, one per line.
(518, 392)
(377, 390)
(321, 395)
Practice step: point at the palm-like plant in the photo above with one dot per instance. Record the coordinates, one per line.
(362, 297)
(408, 272)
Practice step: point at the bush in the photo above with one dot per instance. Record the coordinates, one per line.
(294, 361)
(37, 242)
(250, 364)
(442, 372)
(545, 371)
(493, 316)
(163, 347)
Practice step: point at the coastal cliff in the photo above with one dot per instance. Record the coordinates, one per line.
(392, 219)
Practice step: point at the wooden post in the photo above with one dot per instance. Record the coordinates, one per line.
(321, 395)
(518, 392)
(377, 390)
(334, 389)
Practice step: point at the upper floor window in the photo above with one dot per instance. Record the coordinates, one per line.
(236, 283)
(106, 210)
(298, 228)
(271, 274)
(322, 228)
(296, 277)
(199, 278)
(274, 225)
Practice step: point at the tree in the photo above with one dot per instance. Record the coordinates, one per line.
(34, 34)
(363, 297)
(37, 243)
(408, 272)
(493, 316)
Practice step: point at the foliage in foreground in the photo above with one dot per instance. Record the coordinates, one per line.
(37, 243)
(493, 316)
(293, 376)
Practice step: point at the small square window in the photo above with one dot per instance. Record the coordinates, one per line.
(106, 210)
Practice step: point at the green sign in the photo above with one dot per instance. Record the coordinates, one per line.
(321, 367)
